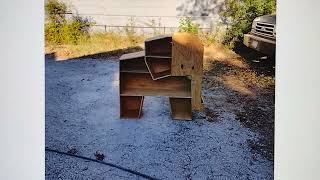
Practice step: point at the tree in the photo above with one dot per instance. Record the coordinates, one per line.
(241, 13)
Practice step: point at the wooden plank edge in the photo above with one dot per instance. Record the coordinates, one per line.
(134, 55)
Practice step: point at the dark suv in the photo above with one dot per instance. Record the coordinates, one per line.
(263, 35)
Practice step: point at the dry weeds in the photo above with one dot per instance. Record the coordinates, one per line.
(98, 43)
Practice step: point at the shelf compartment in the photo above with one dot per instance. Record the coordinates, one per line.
(139, 54)
(137, 84)
(137, 65)
(158, 67)
(133, 62)
(181, 108)
(131, 106)
(159, 46)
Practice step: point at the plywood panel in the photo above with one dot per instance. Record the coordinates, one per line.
(134, 55)
(187, 59)
(158, 67)
(131, 106)
(143, 85)
(181, 108)
(196, 83)
(158, 46)
(187, 55)
(134, 65)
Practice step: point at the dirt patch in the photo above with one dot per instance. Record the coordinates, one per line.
(242, 83)
(258, 115)
(211, 116)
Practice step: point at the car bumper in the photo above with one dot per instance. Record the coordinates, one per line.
(260, 44)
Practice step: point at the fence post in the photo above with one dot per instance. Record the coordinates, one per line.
(164, 30)
(105, 28)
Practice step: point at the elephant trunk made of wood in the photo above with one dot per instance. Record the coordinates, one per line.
(187, 60)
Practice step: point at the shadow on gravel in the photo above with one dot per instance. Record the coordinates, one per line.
(247, 84)
(259, 114)
(260, 63)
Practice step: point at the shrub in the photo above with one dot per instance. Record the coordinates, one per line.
(59, 30)
(130, 32)
(55, 11)
(214, 36)
(241, 13)
(186, 25)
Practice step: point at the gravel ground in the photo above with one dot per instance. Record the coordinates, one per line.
(82, 117)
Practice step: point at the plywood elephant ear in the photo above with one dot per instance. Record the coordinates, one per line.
(187, 55)
(187, 59)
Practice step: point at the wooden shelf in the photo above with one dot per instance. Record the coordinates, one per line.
(159, 46)
(160, 57)
(135, 71)
(158, 37)
(171, 66)
(139, 54)
(181, 108)
(138, 84)
(158, 67)
(136, 65)
(131, 106)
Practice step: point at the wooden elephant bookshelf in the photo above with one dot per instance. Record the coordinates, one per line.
(170, 66)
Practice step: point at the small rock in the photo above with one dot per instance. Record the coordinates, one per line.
(99, 155)
(72, 151)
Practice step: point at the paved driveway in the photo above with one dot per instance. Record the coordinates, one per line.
(82, 115)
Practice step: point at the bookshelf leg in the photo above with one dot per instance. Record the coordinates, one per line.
(181, 108)
(131, 106)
